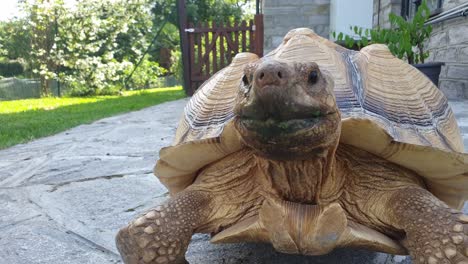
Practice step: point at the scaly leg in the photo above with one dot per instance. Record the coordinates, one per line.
(162, 234)
(434, 232)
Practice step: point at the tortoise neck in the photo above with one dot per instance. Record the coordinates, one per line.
(311, 181)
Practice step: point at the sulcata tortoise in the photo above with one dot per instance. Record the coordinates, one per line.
(311, 148)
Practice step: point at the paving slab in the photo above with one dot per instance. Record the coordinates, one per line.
(63, 198)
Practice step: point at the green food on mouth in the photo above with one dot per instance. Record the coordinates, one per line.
(273, 128)
(316, 113)
(283, 125)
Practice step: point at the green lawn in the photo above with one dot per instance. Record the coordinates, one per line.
(24, 120)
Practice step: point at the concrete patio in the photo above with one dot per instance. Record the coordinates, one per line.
(63, 198)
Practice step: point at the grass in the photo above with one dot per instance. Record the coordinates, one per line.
(25, 120)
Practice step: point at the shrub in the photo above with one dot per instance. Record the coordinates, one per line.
(80, 90)
(145, 76)
(11, 68)
(177, 67)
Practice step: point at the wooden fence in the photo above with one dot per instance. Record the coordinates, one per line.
(211, 47)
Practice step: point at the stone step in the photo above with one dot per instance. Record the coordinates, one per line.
(459, 108)
(464, 130)
(462, 120)
(465, 143)
(461, 113)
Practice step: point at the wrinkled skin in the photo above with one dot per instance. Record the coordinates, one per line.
(293, 164)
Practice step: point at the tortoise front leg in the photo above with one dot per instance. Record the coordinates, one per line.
(434, 232)
(162, 234)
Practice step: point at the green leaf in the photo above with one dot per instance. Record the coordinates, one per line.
(340, 36)
(365, 42)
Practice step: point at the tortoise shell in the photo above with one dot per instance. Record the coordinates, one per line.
(388, 108)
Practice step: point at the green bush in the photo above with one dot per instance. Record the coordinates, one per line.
(81, 90)
(11, 68)
(145, 76)
(177, 67)
(110, 90)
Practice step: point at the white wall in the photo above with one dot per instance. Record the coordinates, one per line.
(346, 13)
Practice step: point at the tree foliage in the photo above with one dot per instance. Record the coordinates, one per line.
(10, 68)
(15, 39)
(99, 40)
(201, 10)
(43, 16)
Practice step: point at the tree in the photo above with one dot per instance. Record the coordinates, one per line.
(15, 39)
(43, 16)
(100, 40)
(89, 46)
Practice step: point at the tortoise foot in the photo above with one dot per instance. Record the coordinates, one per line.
(162, 235)
(445, 242)
(435, 233)
(132, 250)
(147, 241)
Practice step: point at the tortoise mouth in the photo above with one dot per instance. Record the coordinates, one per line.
(298, 138)
(315, 124)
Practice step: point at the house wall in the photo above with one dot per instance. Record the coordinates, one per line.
(448, 43)
(341, 20)
(386, 7)
(281, 16)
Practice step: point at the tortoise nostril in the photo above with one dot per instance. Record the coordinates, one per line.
(271, 75)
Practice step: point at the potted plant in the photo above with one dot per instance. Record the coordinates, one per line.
(405, 39)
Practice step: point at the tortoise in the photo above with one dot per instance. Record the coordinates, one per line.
(311, 148)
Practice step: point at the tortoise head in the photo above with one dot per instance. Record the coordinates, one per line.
(287, 110)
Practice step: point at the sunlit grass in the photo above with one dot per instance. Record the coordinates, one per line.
(50, 103)
(24, 120)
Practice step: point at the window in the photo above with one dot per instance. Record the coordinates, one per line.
(409, 7)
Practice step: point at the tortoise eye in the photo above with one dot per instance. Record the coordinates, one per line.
(313, 76)
(246, 84)
(245, 80)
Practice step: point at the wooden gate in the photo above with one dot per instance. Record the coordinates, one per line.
(212, 47)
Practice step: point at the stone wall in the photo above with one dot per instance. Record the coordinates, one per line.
(452, 3)
(449, 44)
(281, 16)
